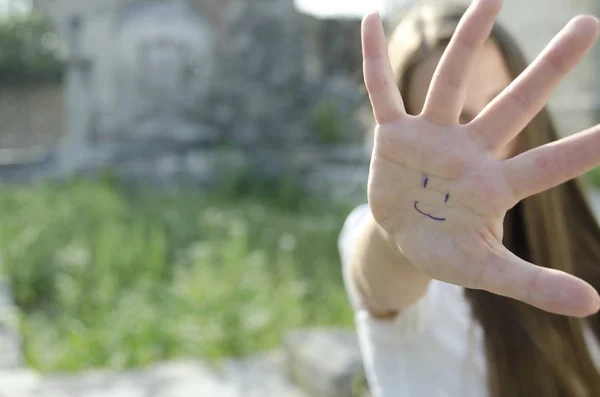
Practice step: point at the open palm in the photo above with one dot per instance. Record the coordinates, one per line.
(437, 187)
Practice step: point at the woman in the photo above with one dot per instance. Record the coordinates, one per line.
(466, 269)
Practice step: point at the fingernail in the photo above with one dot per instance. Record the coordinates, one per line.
(597, 302)
(372, 12)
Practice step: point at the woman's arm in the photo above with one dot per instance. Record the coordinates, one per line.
(385, 279)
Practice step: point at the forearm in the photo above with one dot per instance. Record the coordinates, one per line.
(386, 280)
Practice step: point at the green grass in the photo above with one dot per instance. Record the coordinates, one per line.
(108, 279)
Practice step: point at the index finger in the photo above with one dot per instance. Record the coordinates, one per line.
(379, 78)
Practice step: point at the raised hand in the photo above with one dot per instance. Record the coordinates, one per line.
(437, 187)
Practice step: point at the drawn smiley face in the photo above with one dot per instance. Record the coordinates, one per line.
(416, 205)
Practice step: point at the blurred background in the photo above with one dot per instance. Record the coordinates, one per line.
(174, 176)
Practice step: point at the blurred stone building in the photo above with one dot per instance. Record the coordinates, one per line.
(163, 89)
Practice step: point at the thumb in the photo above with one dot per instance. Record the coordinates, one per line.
(548, 289)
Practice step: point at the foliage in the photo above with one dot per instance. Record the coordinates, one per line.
(327, 123)
(278, 190)
(29, 51)
(105, 278)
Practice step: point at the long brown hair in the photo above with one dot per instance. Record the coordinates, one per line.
(529, 352)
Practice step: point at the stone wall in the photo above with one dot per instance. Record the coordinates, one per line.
(162, 91)
(31, 116)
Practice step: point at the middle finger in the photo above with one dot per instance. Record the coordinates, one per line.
(446, 96)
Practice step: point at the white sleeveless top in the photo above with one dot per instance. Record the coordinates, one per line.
(432, 349)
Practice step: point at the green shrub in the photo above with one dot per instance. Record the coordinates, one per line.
(327, 123)
(29, 53)
(104, 279)
(248, 180)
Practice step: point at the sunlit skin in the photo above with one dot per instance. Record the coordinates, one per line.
(488, 80)
(442, 181)
(490, 77)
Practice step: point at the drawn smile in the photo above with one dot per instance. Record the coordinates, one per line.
(427, 215)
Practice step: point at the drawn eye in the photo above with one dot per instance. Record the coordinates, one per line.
(447, 197)
(425, 182)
